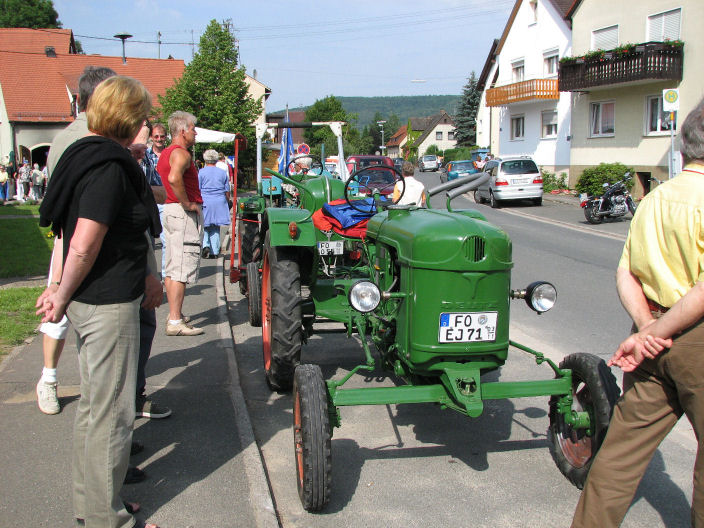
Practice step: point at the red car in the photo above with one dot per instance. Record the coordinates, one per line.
(361, 161)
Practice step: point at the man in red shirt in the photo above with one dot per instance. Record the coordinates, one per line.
(183, 219)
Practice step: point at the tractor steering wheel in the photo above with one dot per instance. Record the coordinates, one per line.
(316, 162)
(366, 184)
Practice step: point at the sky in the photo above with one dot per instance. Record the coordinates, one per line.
(306, 50)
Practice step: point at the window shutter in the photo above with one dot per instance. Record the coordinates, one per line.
(605, 39)
(664, 26)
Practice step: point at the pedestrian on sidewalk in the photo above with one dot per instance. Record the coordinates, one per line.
(183, 219)
(660, 280)
(4, 177)
(214, 187)
(101, 203)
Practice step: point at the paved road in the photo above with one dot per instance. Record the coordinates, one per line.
(415, 465)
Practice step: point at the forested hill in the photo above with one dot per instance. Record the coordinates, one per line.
(404, 106)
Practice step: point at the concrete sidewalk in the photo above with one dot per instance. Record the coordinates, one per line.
(203, 466)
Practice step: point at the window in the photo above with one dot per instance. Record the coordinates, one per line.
(518, 71)
(534, 9)
(664, 26)
(606, 38)
(549, 124)
(602, 122)
(658, 120)
(517, 127)
(550, 61)
(438, 135)
(451, 135)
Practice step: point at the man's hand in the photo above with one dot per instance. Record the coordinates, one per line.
(52, 306)
(192, 206)
(635, 348)
(153, 292)
(45, 294)
(138, 150)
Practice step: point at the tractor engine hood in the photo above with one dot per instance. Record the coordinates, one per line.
(438, 239)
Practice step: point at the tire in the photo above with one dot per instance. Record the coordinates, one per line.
(594, 390)
(538, 201)
(591, 216)
(631, 205)
(282, 321)
(312, 437)
(254, 294)
(250, 244)
(493, 201)
(477, 198)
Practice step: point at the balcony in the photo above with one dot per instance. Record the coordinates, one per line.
(650, 61)
(522, 91)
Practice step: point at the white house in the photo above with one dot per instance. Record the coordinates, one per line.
(522, 112)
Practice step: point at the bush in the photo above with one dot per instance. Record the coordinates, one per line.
(553, 182)
(460, 153)
(433, 149)
(592, 179)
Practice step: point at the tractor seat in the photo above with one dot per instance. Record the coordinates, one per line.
(340, 217)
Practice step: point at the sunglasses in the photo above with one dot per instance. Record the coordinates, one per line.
(158, 136)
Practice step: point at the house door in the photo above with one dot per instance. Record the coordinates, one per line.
(644, 179)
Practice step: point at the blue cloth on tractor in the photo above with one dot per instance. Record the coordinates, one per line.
(347, 215)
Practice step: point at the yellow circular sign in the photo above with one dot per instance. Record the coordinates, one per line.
(671, 96)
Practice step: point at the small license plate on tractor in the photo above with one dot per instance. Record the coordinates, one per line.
(331, 247)
(466, 327)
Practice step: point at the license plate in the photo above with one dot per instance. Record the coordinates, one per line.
(521, 181)
(467, 327)
(333, 247)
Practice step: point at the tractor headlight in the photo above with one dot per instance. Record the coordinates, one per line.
(541, 296)
(364, 296)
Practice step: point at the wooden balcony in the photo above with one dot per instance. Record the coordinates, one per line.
(522, 91)
(650, 61)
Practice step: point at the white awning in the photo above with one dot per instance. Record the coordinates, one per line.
(203, 135)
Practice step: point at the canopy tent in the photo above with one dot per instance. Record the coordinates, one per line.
(203, 135)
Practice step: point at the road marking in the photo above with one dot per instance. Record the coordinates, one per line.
(614, 236)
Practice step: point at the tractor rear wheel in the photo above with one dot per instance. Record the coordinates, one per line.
(595, 391)
(282, 334)
(311, 437)
(254, 294)
(250, 243)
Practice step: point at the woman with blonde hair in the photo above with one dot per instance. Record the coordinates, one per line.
(101, 205)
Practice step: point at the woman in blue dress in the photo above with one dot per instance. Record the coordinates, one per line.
(215, 190)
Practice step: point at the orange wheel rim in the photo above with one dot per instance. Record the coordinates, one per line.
(298, 437)
(577, 447)
(266, 313)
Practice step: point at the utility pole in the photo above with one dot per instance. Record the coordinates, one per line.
(193, 46)
(383, 145)
(158, 42)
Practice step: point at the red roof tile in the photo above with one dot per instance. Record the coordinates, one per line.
(25, 40)
(37, 88)
(398, 137)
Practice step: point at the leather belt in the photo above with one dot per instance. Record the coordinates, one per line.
(655, 307)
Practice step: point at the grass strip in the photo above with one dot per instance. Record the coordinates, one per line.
(17, 316)
(19, 209)
(26, 249)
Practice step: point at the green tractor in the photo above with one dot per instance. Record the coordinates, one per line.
(430, 288)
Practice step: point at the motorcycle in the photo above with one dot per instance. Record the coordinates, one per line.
(616, 201)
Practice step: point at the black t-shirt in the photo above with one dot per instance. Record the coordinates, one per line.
(105, 195)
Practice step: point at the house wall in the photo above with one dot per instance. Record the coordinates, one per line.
(443, 144)
(530, 37)
(630, 144)
(5, 132)
(257, 91)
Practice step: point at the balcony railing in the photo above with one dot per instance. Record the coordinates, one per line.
(522, 91)
(650, 61)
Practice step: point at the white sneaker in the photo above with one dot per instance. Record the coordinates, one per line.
(46, 398)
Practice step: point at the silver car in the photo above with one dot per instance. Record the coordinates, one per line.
(429, 162)
(514, 178)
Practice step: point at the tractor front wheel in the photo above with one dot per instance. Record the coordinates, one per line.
(249, 243)
(282, 334)
(595, 391)
(254, 294)
(311, 437)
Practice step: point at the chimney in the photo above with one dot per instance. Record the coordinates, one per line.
(50, 51)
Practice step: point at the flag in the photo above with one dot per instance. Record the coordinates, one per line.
(286, 152)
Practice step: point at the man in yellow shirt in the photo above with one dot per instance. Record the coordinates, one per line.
(660, 281)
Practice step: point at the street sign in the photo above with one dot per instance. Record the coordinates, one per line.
(671, 100)
(303, 149)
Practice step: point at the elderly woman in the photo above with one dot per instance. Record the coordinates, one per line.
(215, 190)
(100, 203)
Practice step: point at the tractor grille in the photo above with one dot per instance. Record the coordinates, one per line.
(475, 248)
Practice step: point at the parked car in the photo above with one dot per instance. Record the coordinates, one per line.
(511, 178)
(398, 163)
(457, 169)
(360, 161)
(429, 162)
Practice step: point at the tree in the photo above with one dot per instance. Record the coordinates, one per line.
(330, 109)
(213, 88)
(29, 14)
(466, 118)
